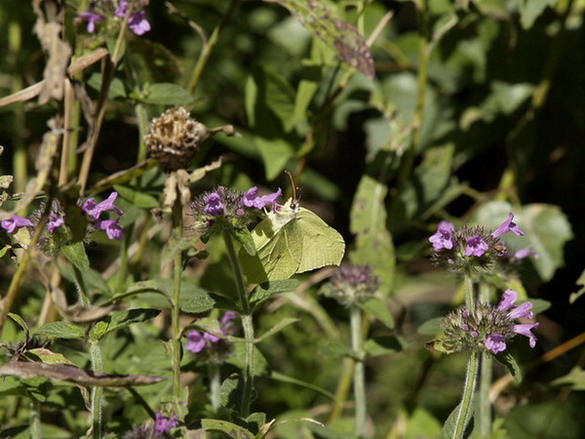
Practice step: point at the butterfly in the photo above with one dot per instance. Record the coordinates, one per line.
(290, 240)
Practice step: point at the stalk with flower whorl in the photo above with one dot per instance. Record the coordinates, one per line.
(487, 328)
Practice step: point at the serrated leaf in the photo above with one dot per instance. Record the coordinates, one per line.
(232, 430)
(121, 319)
(75, 253)
(506, 359)
(165, 93)
(267, 289)
(63, 330)
(378, 308)
(137, 198)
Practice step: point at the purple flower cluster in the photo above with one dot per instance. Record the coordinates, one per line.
(103, 9)
(163, 424)
(57, 220)
(465, 248)
(198, 342)
(488, 327)
(225, 208)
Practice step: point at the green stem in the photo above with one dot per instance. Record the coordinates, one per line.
(35, 420)
(208, 48)
(359, 388)
(483, 410)
(175, 313)
(214, 385)
(469, 296)
(247, 325)
(465, 408)
(97, 393)
(142, 117)
(19, 159)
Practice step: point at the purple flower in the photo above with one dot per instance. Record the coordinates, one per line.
(525, 252)
(443, 238)
(525, 330)
(199, 341)
(137, 21)
(195, 342)
(213, 204)
(496, 343)
(95, 210)
(476, 246)
(55, 222)
(92, 18)
(508, 226)
(162, 424)
(226, 318)
(111, 227)
(12, 224)
(251, 198)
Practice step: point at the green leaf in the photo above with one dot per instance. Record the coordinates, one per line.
(506, 359)
(232, 430)
(238, 359)
(165, 93)
(196, 302)
(49, 357)
(137, 198)
(63, 330)
(378, 308)
(121, 319)
(530, 10)
(267, 289)
(275, 153)
(448, 431)
(244, 237)
(373, 244)
(546, 231)
(75, 253)
(335, 349)
(20, 322)
(116, 89)
(575, 379)
(384, 345)
(291, 380)
(278, 327)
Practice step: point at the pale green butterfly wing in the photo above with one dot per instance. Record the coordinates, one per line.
(291, 241)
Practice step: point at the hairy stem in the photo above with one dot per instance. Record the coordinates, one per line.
(214, 385)
(97, 393)
(247, 325)
(483, 410)
(359, 388)
(175, 313)
(469, 296)
(465, 408)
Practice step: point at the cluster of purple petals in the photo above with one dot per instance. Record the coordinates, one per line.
(444, 238)
(495, 342)
(90, 207)
(137, 21)
(198, 342)
(214, 204)
(163, 425)
(93, 210)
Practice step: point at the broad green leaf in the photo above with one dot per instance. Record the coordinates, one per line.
(378, 308)
(293, 240)
(275, 153)
(75, 253)
(20, 322)
(230, 395)
(575, 379)
(546, 231)
(238, 359)
(63, 330)
(373, 246)
(138, 198)
(341, 36)
(244, 237)
(506, 359)
(530, 10)
(377, 346)
(121, 319)
(335, 349)
(165, 93)
(196, 302)
(421, 424)
(116, 89)
(232, 430)
(448, 431)
(267, 289)
(430, 327)
(49, 357)
(306, 90)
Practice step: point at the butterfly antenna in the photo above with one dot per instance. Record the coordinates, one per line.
(296, 191)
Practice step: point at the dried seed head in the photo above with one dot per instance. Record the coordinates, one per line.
(173, 138)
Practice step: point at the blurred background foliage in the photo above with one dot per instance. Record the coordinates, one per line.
(476, 109)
